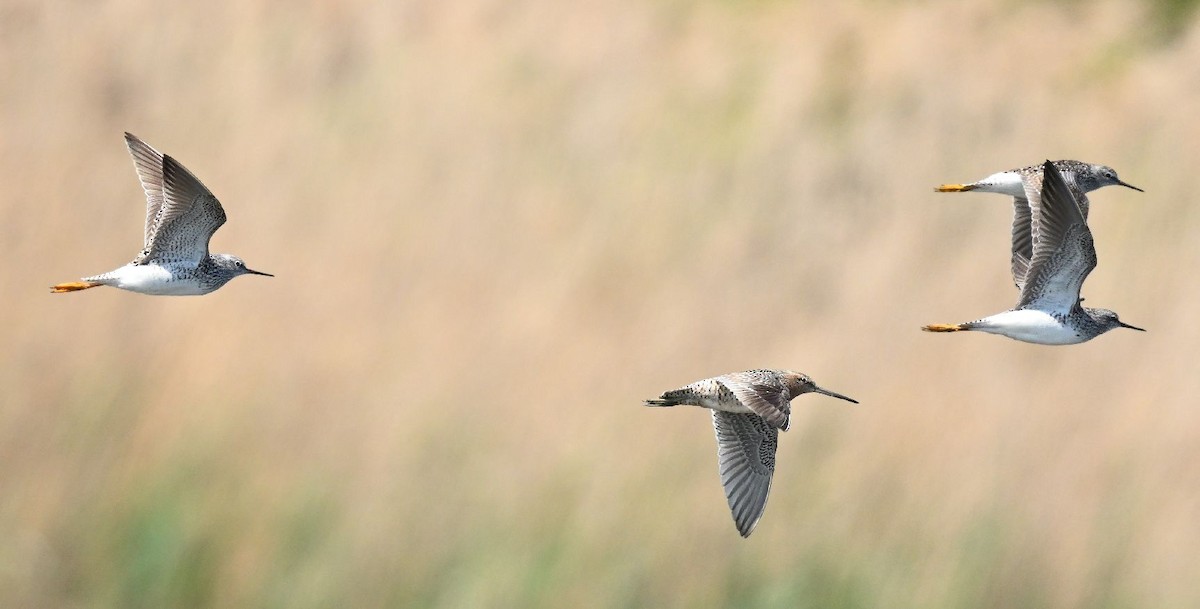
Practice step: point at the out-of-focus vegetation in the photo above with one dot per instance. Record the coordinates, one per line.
(498, 225)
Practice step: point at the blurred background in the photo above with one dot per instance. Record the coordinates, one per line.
(498, 225)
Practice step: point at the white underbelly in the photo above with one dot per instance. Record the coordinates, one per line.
(1006, 183)
(151, 279)
(1029, 326)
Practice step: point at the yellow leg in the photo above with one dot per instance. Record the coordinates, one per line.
(943, 328)
(955, 187)
(73, 286)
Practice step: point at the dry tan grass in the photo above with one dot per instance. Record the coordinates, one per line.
(497, 226)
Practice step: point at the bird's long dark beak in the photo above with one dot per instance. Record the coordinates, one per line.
(1125, 325)
(1127, 185)
(834, 395)
(254, 272)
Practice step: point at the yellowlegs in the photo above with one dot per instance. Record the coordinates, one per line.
(1049, 311)
(1024, 184)
(181, 217)
(748, 410)
(1082, 177)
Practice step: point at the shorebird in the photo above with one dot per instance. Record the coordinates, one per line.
(1024, 185)
(181, 217)
(748, 410)
(1049, 310)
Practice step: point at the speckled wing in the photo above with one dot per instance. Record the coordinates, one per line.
(1025, 221)
(1063, 251)
(148, 163)
(765, 400)
(1022, 238)
(187, 219)
(746, 455)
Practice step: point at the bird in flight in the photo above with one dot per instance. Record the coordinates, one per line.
(748, 410)
(1050, 311)
(1024, 185)
(181, 217)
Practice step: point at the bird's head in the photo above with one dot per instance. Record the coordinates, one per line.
(798, 384)
(232, 266)
(1099, 176)
(1108, 320)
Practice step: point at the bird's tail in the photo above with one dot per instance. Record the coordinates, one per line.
(956, 187)
(73, 286)
(945, 327)
(670, 398)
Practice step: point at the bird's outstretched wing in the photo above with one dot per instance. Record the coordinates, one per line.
(186, 219)
(746, 455)
(1022, 229)
(1025, 223)
(148, 163)
(1063, 251)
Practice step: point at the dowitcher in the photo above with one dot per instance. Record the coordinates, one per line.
(1024, 184)
(1049, 311)
(181, 217)
(748, 410)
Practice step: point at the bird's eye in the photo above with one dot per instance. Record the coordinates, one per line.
(241, 264)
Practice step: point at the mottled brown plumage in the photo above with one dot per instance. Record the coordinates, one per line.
(748, 409)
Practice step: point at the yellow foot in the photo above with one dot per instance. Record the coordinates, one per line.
(955, 187)
(73, 286)
(943, 328)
